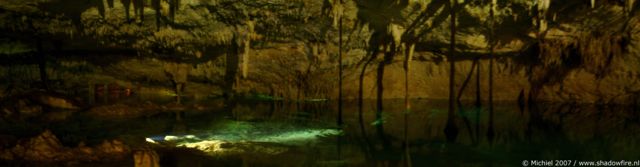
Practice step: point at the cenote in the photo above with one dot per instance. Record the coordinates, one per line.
(277, 133)
(150, 83)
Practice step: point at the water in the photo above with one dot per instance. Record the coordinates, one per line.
(266, 133)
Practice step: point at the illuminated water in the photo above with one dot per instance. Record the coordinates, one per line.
(264, 133)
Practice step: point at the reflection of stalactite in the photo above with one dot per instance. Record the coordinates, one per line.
(138, 8)
(174, 5)
(598, 52)
(110, 3)
(231, 69)
(595, 53)
(157, 8)
(101, 8)
(127, 7)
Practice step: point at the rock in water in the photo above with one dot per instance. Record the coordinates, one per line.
(146, 158)
(45, 147)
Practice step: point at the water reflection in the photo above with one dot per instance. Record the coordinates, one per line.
(544, 131)
(503, 135)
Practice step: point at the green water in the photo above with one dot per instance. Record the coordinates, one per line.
(265, 133)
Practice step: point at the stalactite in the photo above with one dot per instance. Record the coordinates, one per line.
(593, 3)
(337, 10)
(543, 6)
(396, 32)
(245, 58)
(407, 66)
(340, 72)
(249, 34)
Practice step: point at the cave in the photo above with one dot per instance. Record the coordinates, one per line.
(150, 83)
